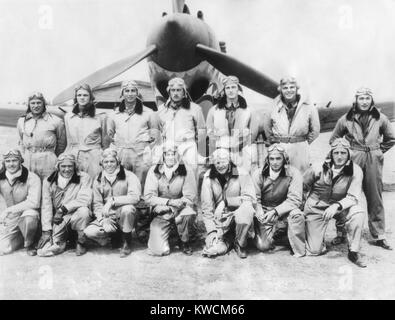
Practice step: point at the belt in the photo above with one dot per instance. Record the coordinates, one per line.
(132, 145)
(84, 147)
(185, 140)
(365, 147)
(40, 149)
(289, 139)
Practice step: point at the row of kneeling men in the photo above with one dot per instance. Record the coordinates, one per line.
(274, 203)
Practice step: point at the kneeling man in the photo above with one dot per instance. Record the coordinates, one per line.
(333, 192)
(279, 189)
(116, 191)
(21, 190)
(66, 199)
(228, 197)
(170, 189)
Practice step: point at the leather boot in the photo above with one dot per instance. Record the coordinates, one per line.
(383, 243)
(185, 248)
(80, 249)
(126, 244)
(355, 258)
(241, 252)
(31, 250)
(338, 240)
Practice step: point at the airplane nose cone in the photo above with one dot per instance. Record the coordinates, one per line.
(176, 38)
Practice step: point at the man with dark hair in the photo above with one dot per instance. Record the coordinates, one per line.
(86, 131)
(21, 190)
(66, 199)
(279, 189)
(370, 135)
(333, 190)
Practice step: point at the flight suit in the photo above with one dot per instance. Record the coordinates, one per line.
(322, 190)
(283, 194)
(295, 135)
(86, 138)
(243, 153)
(41, 141)
(76, 197)
(186, 127)
(157, 192)
(126, 191)
(368, 150)
(239, 194)
(134, 135)
(23, 198)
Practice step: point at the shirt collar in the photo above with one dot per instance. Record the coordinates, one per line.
(235, 105)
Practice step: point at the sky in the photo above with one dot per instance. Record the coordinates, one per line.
(331, 46)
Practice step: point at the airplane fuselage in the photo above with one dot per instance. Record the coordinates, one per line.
(176, 37)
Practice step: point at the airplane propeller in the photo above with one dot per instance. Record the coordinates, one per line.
(107, 73)
(248, 76)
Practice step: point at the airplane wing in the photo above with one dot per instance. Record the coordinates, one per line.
(108, 95)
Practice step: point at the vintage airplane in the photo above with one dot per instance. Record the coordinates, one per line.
(184, 46)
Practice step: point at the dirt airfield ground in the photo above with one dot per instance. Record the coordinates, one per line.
(101, 274)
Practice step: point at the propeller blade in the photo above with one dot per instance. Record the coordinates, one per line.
(178, 6)
(248, 76)
(107, 73)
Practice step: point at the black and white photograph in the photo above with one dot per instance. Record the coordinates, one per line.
(197, 150)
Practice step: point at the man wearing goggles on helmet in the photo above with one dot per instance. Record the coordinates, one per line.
(67, 196)
(21, 190)
(170, 189)
(116, 191)
(279, 189)
(293, 122)
(371, 135)
(333, 191)
(227, 198)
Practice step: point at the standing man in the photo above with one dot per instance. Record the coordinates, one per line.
(21, 190)
(370, 135)
(66, 200)
(170, 189)
(333, 191)
(134, 130)
(86, 131)
(42, 136)
(227, 198)
(232, 117)
(279, 190)
(293, 122)
(182, 121)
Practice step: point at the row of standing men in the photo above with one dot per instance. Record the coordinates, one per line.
(137, 131)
